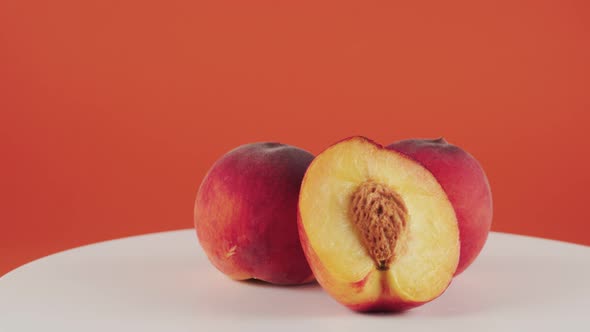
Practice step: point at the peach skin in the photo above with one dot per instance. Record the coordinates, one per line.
(466, 185)
(246, 213)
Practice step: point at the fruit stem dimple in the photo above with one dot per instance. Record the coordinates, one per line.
(380, 216)
(440, 140)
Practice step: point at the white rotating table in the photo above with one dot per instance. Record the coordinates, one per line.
(164, 282)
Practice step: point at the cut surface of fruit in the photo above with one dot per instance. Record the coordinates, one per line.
(377, 228)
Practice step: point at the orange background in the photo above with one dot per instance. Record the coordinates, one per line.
(112, 111)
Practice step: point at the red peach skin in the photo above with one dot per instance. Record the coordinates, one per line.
(246, 213)
(466, 185)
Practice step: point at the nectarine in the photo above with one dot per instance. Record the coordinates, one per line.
(466, 185)
(246, 213)
(377, 228)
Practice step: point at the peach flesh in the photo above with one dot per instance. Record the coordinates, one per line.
(417, 237)
(465, 183)
(246, 213)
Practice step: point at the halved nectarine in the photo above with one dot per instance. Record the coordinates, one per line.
(377, 228)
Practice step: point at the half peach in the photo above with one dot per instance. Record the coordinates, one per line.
(376, 227)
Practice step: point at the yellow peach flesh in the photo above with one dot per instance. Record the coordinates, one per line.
(427, 251)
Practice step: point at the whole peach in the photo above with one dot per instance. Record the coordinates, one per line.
(466, 185)
(246, 213)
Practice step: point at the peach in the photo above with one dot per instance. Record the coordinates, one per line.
(246, 213)
(466, 185)
(378, 230)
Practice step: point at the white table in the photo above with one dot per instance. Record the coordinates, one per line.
(163, 282)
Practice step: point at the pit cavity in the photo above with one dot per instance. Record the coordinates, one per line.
(380, 217)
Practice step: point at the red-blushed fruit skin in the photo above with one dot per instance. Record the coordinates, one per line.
(388, 301)
(246, 213)
(466, 185)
